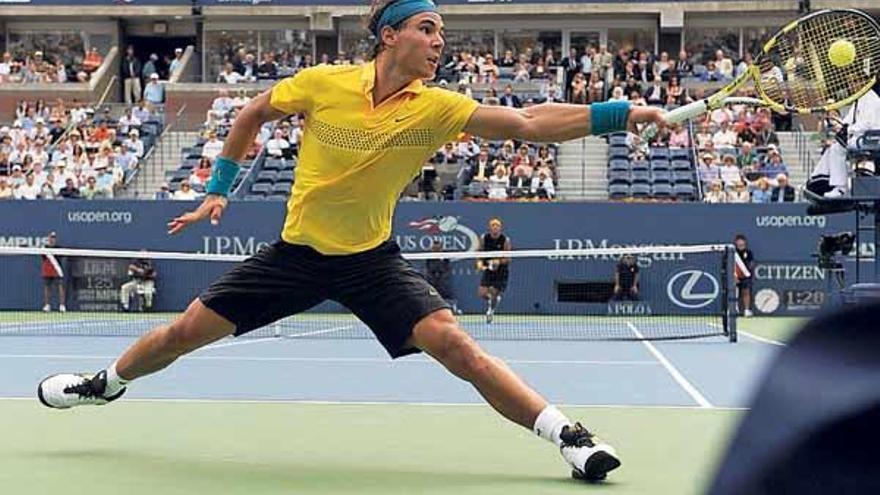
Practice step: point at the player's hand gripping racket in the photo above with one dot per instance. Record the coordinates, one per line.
(820, 62)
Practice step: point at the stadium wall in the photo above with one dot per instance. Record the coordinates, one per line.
(782, 237)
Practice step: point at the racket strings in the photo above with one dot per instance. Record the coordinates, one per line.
(797, 71)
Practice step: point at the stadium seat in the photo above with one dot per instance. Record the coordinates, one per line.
(684, 191)
(254, 197)
(662, 176)
(267, 176)
(618, 164)
(617, 140)
(658, 153)
(273, 164)
(640, 190)
(190, 163)
(639, 176)
(661, 190)
(618, 152)
(181, 174)
(286, 175)
(683, 177)
(277, 197)
(618, 177)
(281, 188)
(681, 165)
(660, 165)
(680, 154)
(618, 191)
(261, 188)
(641, 166)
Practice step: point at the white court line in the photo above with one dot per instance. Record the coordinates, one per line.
(241, 342)
(318, 332)
(760, 339)
(335, 360)
(396, 403)
(754, 337)
(676, 375)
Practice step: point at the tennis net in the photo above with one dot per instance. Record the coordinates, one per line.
(584, 294)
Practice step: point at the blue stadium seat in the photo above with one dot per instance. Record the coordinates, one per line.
(661, 153)
(681, 165)
(618, 152)
(680, 154)
(273, 164)
(640, 190)
(662, 176)
(286, 175)
(617, 140)
(254, 197)
(683, 177)
(618, 191)
(181, 174)
(618, 177)
(662, 190)
(199, 188)
(618, 164)
(277, 197)
(660, 165)
(641, 166)
(639, 176)
(190, 163)
(281, 188)
(684, 191)
(267, 176)
(261, 188)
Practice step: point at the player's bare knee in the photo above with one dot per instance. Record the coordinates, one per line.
(464, 357)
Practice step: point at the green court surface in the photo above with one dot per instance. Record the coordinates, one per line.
(141, 447)
(776, 329)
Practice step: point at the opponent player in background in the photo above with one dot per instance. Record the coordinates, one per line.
(369, 129)
(496, 271)
(52, 274)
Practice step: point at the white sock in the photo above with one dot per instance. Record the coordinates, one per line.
(115, 383)
(549, 425)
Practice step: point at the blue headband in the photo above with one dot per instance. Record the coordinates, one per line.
(400, 11)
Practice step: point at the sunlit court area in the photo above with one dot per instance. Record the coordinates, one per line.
(404, 247)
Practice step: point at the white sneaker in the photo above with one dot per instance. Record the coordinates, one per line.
(837, 192)
(590, 459)
(748, 313)
(69, 390)
(62, 308)
(47, 308)
(489, 314)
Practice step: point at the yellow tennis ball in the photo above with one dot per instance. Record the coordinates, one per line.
(841, 53)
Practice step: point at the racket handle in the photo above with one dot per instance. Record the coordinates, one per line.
(680, 114)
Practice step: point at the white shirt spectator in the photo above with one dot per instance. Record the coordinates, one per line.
(134, 144)
(128, 121)
(498, 186)
(725, 138)
(542, 182)
(185, 193)
(141, 113)
(230, 77)
(212, 148)
(708, 172)
(276, 146)
(39, 130)
(730, 174)
(29, 190)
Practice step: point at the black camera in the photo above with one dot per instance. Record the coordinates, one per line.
(830, 245)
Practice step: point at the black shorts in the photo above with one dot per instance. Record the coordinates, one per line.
(497, 279)
(52, 281)
(745, 283)
(381, 288)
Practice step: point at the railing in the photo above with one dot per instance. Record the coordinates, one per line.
(153, 166)
(695, 159)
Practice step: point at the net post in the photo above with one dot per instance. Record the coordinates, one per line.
(728, 297)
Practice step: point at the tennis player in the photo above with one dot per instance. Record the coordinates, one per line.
(368, 130)
(496, 271)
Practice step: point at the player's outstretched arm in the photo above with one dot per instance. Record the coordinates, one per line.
(554, 122)
(240, 137)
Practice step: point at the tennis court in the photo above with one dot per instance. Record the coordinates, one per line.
(307, 415)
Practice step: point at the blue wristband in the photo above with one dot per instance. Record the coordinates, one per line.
(608, 117)
(223, 174)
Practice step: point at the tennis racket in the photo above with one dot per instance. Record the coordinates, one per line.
(820, 62)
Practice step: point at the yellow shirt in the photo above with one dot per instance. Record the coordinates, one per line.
(354, 159)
